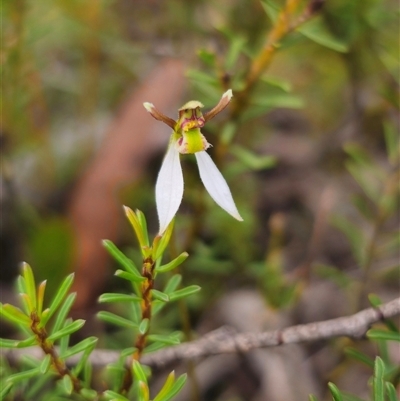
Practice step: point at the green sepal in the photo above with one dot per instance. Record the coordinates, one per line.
(173, 264)
(112, 318)
(377, 384)
(69, 329)
(58, 298)
(45, 364)
(184, 292)
(161, 296)
(63, 312)
(121, 258)
(115, 297)
(144, 326)
(336, 394)
(129, 276)
(86, 344)
(14, 315)
(376, 334)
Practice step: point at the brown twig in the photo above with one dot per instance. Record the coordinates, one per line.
(49, 349)
(225, 340)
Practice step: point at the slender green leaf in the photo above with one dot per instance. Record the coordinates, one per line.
(157, 306)
(115, 297)
(391, 392)
(144, 326)
(64, 311)
(252, 160)
(376, 334)
(207, 57)
(134, 220)
(136, 278)
(121, 258)
(392, 142)
(161, 296)
(359, 356)
(164, 240)
(28, 342)
(166, 387)
(40, 297)
(173, 264)
(14, 315)
(312, 397)
(21, 287)
(316, 30)
(374, 300)
(83, 345)
(144, 392)
(165, 339)
(6, 343)
(236, 46)
(69, 329)
(5, 389)
(67, 385)
(112, 395)
(336, 394)
(143, 223)
(173, 283)
(378, 386)
(176, 388)
(138, 371)
(45, 364)
(184, 292)
(30, 283)
(116, 320)
(89, 394)
(27, 374)
(61, 293)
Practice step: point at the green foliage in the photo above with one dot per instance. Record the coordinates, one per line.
(287, 65)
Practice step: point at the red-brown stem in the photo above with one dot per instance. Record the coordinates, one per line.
(48, 348)
(140, 343)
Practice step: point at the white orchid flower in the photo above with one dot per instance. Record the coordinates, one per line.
(186, 138)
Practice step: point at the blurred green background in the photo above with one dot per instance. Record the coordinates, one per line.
(312, 161)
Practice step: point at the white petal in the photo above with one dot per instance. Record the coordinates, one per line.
(215, 184)
(169, 187)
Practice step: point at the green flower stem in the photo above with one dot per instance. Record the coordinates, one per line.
(48, 348)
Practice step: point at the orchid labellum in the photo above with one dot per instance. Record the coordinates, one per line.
(186, 138)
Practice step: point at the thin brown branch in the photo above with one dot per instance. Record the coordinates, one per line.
(226, 340)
